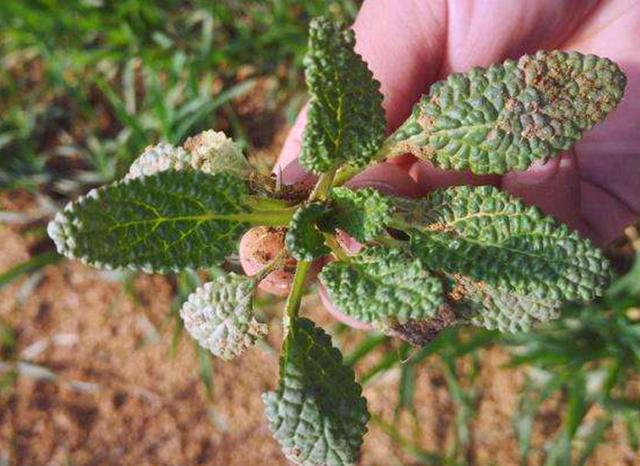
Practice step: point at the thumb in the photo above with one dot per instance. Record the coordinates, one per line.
(554, 187)
(392, 38)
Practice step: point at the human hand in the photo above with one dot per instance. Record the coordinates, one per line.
(595, 186)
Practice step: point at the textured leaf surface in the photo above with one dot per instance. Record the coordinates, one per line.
(304, 240)
(209, 152)
(317, 413)
(220, 316)
(509, 115)
(491, 237)
(363, 213)
(486, 306)
(169, 221)
(158, 158)
(346, 121)
(213, 152)
(383, 286)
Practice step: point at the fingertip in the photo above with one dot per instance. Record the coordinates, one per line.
(604, 213)
(404, 161)
(427, 177)
(293, 173)
(293, 144)
(387, 178)
(554, 187)
(418, 29)
(338, 314)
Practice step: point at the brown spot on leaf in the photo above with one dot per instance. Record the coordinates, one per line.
(422, 332)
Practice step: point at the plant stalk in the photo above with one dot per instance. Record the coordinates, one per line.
(388, 149)
(276, 263)
(321, 190)
(335, 247)
(295, 295)
(268, 217)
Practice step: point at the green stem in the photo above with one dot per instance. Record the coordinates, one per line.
(390, 242)
(399, 224)
(346, 173)
(321, 190)
(266, 203)
(276, 263)
(295, 295)
(279, 217)
(388, 149)
(335, 247)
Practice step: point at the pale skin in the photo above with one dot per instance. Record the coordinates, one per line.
(409, 44)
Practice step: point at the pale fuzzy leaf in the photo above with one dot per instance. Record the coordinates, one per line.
(213, 152)
(304, 240)
(363, 214)
(220, 316)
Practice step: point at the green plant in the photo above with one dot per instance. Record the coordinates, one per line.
(461, 256)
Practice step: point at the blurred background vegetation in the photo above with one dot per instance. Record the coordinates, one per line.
(85, 85)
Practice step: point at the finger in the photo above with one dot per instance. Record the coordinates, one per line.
(609, 154)
(293, 143)
(293, 173)
(428, 177)
(387, 178)
(604, 212)
(338, 314)
(613, 31)
(258, 248)
(404, 161)
(483, 32)
(402, 43)
(554, 187)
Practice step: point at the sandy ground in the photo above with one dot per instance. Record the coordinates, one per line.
(120, 398)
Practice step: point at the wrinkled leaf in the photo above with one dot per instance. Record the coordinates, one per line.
(507, 116)
(317, 413)
(345, 122)
(168, 221)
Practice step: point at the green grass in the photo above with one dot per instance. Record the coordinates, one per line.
(86, 85)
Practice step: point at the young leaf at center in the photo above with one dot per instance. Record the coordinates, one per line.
(304, 240)
(363, 213)
(384, 287)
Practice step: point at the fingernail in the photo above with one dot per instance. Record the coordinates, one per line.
(539, 172)
(294, 173)
(387, 178)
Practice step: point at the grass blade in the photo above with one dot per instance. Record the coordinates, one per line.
(29, 266)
